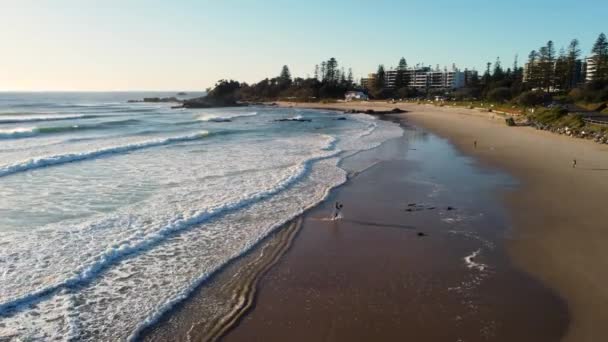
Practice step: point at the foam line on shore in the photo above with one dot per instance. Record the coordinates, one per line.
(472, 264)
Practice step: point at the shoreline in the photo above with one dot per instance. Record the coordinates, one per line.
(558, 233)
(444, 274)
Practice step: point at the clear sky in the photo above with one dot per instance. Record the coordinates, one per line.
(190, 44)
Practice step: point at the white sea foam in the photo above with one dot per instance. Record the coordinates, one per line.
(20, 132)
(46, 161)
(471, 263)
(38, 118)
(224, 117)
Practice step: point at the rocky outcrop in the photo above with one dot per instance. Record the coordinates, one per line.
(375, 112)
(171, 99)
(581, 133)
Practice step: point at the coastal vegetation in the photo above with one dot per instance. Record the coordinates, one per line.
(548, 77)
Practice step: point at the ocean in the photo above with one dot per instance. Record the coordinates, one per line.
(111, 213)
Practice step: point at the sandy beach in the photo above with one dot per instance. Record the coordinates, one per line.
(401, 265)
(558, 230)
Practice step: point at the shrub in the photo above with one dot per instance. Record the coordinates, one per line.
(501, 94)
(532, 98)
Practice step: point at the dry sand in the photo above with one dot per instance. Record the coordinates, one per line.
(560, 219)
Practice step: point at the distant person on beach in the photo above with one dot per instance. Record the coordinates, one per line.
(337, 211)
(475, 143)
(573, 163)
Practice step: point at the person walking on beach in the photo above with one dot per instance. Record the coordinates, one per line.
(475, 143)
(337, 211)
(573, 163)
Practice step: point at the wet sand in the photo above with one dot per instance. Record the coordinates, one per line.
(560, 229)
(372, 276)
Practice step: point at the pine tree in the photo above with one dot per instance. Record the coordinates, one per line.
(349, 78)
(380, 79)
(561, 70)
(487, 76)
(285, 73)
(600, 57)
(342, 76)
(547, 65)
(532, 70)
(517, 73)
(572, 56)
(498, 74)
(323, 71)
(285, 77)
(316, 71)
(331, 70)
(401, 77)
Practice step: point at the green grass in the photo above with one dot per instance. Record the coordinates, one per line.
(557, 118)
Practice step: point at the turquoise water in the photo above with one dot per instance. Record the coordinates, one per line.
(112, 212)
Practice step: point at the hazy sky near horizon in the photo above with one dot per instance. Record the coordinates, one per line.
(188, 44)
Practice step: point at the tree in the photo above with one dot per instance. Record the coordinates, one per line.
(500, 94)
(498, 74)
(600, 57)
(316, 71)
(547, 65)
(561, 70)
(532, 70)
(573, 54)
(487, 76)
(349, 78)
(323, 71)
(401, 77)
(331, 70)
(285, 77)
(380, 79)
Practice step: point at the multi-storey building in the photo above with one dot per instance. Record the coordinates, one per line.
(590, 68)
(580, 73)
(423, 78)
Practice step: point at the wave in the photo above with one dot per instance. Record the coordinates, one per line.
(46, 118)
(20, 132)
(303, 170)
(37, 163)
(26, 132)
(370, 129)
(136, 244)
(224, 117)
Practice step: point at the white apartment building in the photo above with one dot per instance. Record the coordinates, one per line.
(590, 69)
(425, 78)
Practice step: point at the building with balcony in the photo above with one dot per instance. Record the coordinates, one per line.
(423, 78)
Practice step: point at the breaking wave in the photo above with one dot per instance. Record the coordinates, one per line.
(224, 117)
(41, 162)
